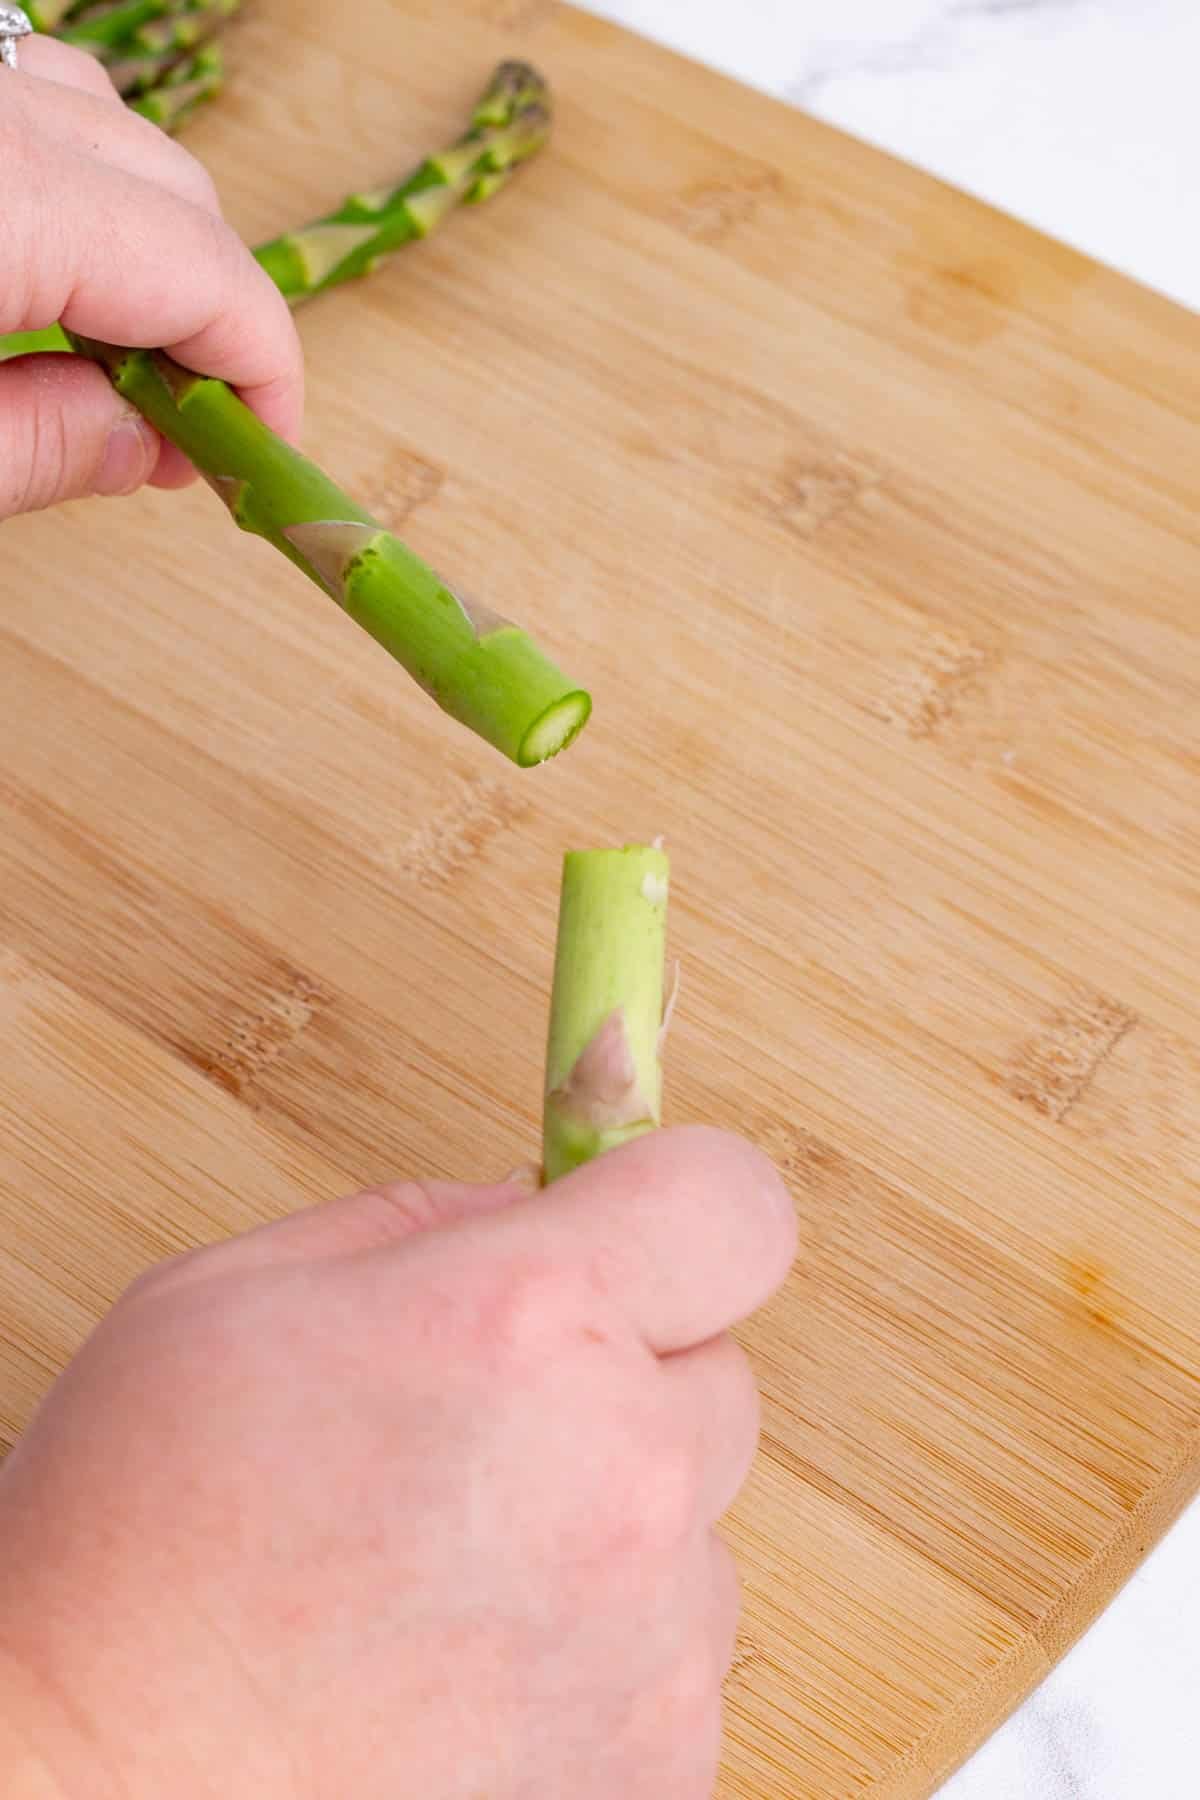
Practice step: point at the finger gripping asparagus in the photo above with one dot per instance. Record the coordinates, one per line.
(482, 670)
(603, 1067)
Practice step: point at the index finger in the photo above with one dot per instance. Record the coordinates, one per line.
(119, 258)
(687, 1232)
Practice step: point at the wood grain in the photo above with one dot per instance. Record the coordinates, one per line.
(872, 518)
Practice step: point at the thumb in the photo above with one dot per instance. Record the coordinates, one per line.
(64, 434)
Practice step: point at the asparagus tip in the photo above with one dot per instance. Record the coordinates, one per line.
(513, 87)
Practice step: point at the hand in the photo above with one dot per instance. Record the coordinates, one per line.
(112, 228)
(410, 1494)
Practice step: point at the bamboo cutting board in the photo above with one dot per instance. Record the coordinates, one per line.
(872, 520)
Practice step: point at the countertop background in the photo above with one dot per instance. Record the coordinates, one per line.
(1079, 117)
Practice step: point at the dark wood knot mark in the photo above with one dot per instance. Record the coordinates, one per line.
(925, 693)
(1085, 1279)
(746, 1656)
(1056, 1068)
(443, 846)
(266, 1031)
(810, 492)
(711, 209)
(404, 482)
(965, 302)
(804, 1160)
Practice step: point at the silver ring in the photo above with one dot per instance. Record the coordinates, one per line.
(14, 25)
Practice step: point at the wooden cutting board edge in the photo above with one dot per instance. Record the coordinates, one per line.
(964, 1730)
(978, 1710)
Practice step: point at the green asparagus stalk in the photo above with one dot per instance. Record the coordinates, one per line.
(603, 1068)
(197, 79)
(189, 24)
(102, 28)
(47, 15)
(31, 343)
(482, 670)
(158, 51)
(510, 124)
(137, 74)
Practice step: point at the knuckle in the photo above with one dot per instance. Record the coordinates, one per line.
(694, 1683)
(776, 1229)
(527, 1308)
(32, 248)
(656, 1508)
(35, 451)
(393, 1210)
(161, 1278)
(745, 1393)
(194, 179)
(205, 187)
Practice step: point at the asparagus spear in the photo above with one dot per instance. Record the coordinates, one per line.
(482, 670)
(150, 55)
(189, 24)
(31, 343)
(47, 15)
(102, 28)
(185, 87)
(137, 74)
(510, 124)
(603, 1069)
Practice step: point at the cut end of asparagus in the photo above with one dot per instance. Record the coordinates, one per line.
(603, 1073)
(556, 730)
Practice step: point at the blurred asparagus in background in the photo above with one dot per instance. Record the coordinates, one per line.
(150, 48)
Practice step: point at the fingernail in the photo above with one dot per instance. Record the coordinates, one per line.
(129, 455)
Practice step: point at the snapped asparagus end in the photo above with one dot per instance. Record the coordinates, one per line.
(603, 1068)
(556, 730)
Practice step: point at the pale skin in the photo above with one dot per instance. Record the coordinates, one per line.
(116, 230)
(416, 1492)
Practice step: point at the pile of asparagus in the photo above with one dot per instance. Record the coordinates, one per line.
(162, 54)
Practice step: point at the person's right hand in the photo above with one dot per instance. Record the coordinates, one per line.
(115, 230)
(413, 1493)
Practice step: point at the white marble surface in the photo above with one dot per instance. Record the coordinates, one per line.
(1081, 117)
